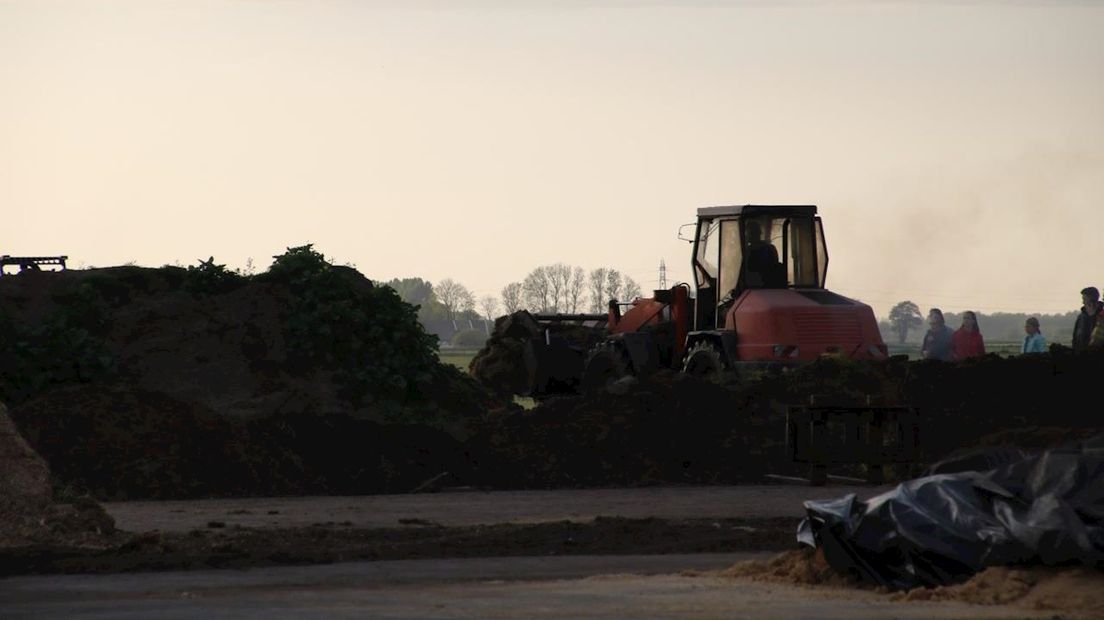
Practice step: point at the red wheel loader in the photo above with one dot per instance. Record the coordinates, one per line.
(758, 302)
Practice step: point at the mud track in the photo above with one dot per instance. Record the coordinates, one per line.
(219, 547)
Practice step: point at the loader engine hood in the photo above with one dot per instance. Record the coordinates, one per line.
(802, 325)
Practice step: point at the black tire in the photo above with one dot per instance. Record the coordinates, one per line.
(606, 363)
(704, 360)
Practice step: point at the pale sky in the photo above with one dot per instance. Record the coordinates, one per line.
(956, 149)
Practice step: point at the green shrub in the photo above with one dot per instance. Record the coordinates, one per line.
(210, 279)
(65, 347)
(366, 334)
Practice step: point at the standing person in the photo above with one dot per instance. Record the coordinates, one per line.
(1086, 321)
(1033, 341)
(937, 342)
(1096, 341)
(967, 341)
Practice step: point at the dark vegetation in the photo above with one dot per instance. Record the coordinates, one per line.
(311, 379)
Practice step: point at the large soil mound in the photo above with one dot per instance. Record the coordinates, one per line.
(137, 382)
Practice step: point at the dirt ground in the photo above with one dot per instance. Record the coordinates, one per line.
(556, 587)
(465, 554)
(461, 508)
(312, 530)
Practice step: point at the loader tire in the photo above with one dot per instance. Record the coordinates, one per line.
(606, 363)
(704, 360)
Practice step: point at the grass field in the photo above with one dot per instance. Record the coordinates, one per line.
(462, 357)
(457, 357)
(912, 349)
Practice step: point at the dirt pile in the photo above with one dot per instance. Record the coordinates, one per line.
(1075, 589)
(803, 567)
(120, 443)
(670, 429)
(134, 382)
(27, 509)
(259, 347)
(25, 484)
(1078, 590)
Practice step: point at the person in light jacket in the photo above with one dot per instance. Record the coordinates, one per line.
(1033, 341)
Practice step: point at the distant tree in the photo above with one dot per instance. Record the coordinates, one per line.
(629, 288)
(414, 291)
(577, 290)
(903, 317)
(455, 297)
(559, 282)
(538, 290)
(512, 297)
(419, 292)
(596, 283)
(469, 315)
(489, 306)
(613, 284)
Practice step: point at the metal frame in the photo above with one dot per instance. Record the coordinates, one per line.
(737, 210)
(31, 263)
(808, 439)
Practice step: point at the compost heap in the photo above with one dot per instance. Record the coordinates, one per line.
(135, 382)
(939, 530)
(27, 509)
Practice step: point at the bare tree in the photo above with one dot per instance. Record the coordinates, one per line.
(538, 290)
(511, 297)
(577, 290)
(613, 284)
(629, 288)
(559, 277)
(597, 290)
(489, 306)
(455, 297)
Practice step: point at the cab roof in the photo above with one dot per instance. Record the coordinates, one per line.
(756, 210)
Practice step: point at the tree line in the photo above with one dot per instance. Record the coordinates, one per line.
(548, 289)
(907, 324)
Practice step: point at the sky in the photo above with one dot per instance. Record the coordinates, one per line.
(955, 149)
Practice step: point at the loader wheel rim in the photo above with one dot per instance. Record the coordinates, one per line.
(604, 366)
(704, 362)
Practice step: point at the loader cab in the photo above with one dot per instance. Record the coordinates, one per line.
(752, 246)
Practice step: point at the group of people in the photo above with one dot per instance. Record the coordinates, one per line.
(943, 343)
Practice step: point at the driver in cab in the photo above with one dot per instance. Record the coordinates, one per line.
(762, 264)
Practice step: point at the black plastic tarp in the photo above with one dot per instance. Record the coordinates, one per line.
(1046, 508)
